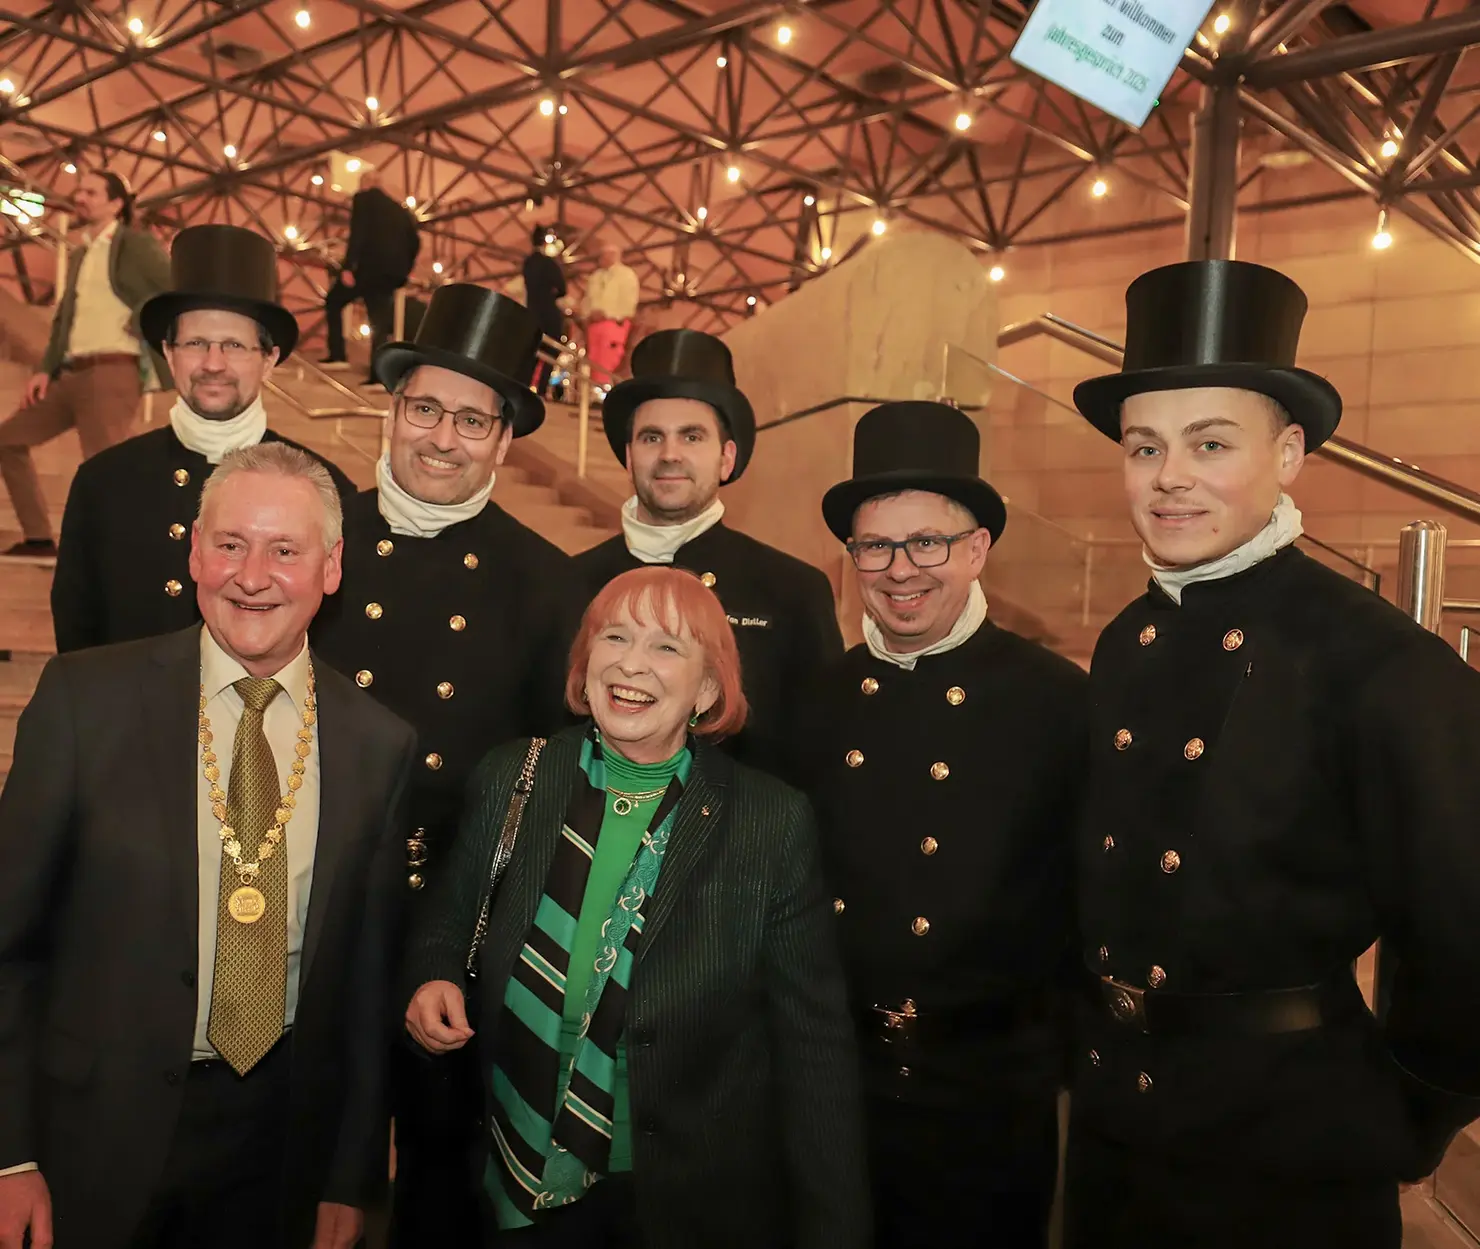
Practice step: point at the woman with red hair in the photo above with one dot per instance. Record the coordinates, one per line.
(662, 1029)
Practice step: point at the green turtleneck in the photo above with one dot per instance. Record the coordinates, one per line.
(616, 847)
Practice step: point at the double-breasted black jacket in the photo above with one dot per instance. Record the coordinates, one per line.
(1284, 768)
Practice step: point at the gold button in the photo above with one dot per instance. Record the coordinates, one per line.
(173, 588)
(904, 1071)
(1094, 1058)
(920, 927)
(182, 478)
(434, 761)
(854, 758)
(929, 846)
(709, 580)
(939, 771)
(955, 696)
(177, 531)
(1233, 639)
(1194, 748)
(839, 906)
(458, 624)
(444, 690)
(1148, 635)
(1156, 977)
(870, 686)
(374, 610)
(1170, 862)
(1123, 739)
(470, 560)
(384, 547)
(1108, 843)
(1143, 1082)
(363, 678)
(415, 880)
(1104, 954)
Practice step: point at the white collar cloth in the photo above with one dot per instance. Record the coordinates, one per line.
(415, 518)
(217, 439)
(1284, 526)
(967, 623)
(658, 544)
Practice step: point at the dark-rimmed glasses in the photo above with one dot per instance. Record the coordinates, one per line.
(926, 550)
(426, 413)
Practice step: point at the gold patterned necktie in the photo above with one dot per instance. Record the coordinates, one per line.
(249, 993)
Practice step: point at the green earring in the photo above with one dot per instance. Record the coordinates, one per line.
(694, 720)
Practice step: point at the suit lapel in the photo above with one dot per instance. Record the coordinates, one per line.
(696, 823)
(340, 802)
(169, 698)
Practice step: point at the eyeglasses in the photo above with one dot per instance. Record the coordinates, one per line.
(236, 352)
(427, 413)
(928, 550)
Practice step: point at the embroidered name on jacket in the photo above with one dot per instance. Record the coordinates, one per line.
(749, 622)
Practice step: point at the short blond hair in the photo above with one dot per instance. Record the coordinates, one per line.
(285, 460)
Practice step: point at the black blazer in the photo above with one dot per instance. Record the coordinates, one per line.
(747, 1128)
(98, 939)
(384, 240)
(123, 567)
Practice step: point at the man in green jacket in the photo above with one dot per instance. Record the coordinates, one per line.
(96, 364)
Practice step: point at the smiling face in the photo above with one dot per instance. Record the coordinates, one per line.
(646, 676)
(261, 567)
(443, 465)
(221, 381)
(1204, 469)
(916, 607)
(678, 456)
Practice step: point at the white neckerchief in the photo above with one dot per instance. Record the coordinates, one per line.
(413, 518)
(1283, 528)
(658, 544)
(967, 623)
(217, 439)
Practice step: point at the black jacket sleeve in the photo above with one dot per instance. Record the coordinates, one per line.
(1417, 783)
(36, 816)
(76, 604)
(359, 226)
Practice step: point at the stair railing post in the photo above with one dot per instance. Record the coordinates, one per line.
(1421, 546)
(583, 414)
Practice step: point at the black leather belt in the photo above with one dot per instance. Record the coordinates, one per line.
(1260, 1013)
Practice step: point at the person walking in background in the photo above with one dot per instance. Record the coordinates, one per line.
(544, 288)
(662, 1030)
(612, 294)
(122, 571)
(384, 241)
(196, 910)
(95, 366)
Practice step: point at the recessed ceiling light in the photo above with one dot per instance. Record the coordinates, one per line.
(751, 301)
(997, 273)
(809, 200)
(364, 331)
(436, 266)
(733, 173)
(1221, 24)
(372, 103)
(302, 18)
(880, 225)
(1099, 188)
(70, 167)
(1389, 148)
(135, 26)
(703, 212)
(783, 35)
(826, 253)
(7, 87)
(721, 61)
(547, 107)
(353, 164)
(230, 151)
(963, 121)
(160, 136)
(317, 179)
(290, 233)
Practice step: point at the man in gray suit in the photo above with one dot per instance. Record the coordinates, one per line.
(95, 363)
(196, 908)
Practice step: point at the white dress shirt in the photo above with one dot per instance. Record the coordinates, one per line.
(613, 291)
(100, 320)
(281, 722)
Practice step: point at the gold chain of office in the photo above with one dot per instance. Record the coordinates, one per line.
(246, 904)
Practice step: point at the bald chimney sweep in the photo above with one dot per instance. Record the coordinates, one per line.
(1283, 769)
(459, 619)
(683, 430)
(944, 761)
(122, 568)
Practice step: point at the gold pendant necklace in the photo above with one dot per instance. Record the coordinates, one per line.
(247, 904)
(623, 803)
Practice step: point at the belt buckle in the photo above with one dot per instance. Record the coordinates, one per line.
(1127, 1003)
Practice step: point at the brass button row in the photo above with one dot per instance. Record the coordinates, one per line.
(921, 926)
(374, 611)
(177, 531)
(470, 560)
(955, 695)
(182, 478)
(434, 761)
(173, 588)
(1193, 750)
(1232, 640)
(929, 846)
(708, 580)
(384, 547)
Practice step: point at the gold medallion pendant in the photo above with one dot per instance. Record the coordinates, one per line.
(622, 806)
(247, 905)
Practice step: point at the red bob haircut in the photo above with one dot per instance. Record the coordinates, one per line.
(683, 604)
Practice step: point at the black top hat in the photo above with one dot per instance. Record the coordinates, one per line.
(1214, 323)
(681, 364)
(480, 334)
(221, 267)
(915, 446)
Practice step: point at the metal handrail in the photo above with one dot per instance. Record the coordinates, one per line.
(1388, 469)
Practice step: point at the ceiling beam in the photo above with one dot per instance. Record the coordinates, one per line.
(1370, 50)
